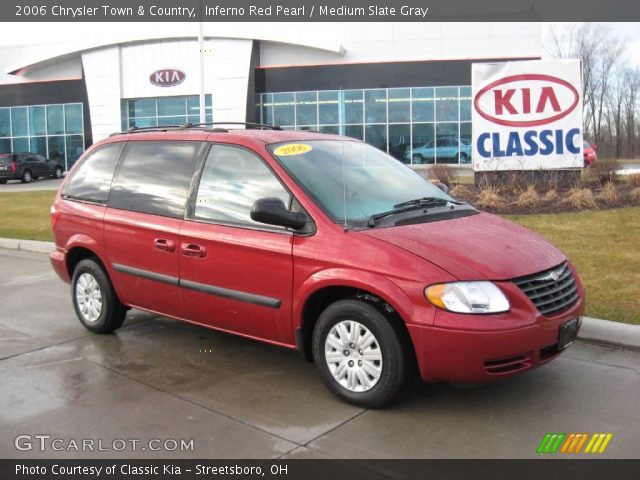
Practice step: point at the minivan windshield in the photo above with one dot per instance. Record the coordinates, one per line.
(352, 177)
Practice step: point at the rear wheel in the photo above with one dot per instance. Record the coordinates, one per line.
(360, 354)
(3, 181)
(417, 158)
(94, 299)
(26, 176)
(58, 173)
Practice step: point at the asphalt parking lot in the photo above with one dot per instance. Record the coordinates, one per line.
(159, 378)
(39, 184)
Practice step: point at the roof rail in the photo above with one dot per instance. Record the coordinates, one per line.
(197, 126)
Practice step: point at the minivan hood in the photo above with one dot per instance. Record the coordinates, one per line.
(478, 247)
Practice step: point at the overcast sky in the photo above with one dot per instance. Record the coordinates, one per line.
(14, 33)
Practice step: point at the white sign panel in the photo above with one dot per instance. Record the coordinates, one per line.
(527, 115)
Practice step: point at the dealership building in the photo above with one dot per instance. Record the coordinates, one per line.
(393, 85)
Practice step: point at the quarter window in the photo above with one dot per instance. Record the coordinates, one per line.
(91, 181)
(154, 177)
(232, 180)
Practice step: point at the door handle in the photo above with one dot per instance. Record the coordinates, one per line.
(193, 250)
(164, 245)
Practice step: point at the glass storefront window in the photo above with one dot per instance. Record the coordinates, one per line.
(399, 105)
(57, 151)
(38, 121)
(283, 109)
(19, 122)
(446, 104)
(352, 101)
(74, 147)
(465, 104)
(144, 107)
(414, 125)
(42, 129)
(375, 106)
(73, 118)
(20, 144)
(376, 135)
(172, 106)
(5, 122)
(354, 131)
(422, 104)
(307, 109)
(329, 108)
(55, 119)
(38, 145)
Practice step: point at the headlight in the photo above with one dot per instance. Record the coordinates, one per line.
(468, 297)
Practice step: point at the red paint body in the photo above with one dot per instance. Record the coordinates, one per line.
(395, 264)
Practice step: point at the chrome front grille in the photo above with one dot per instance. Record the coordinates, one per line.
(551, 291)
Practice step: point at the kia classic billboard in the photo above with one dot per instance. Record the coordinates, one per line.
(527, 115)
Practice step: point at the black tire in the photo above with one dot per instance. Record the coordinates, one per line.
(396, 360)
(58, 173)
(417, 158)
(112, 313)
(463, 158)
(3, 181)
(26, 176)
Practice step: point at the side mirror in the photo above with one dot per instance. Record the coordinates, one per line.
(271, 211)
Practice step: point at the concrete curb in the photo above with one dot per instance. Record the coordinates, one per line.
(27, 245)
(593, 330)
(605, 332)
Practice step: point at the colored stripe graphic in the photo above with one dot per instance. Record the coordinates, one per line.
(598, 443)
(551, 442)
(572, 443)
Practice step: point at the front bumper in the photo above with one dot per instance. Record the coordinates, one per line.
(468, 356)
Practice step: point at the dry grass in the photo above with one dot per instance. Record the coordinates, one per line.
(635, 194)
(604, 170)
(633, 180)
(581, 199)
(489, 197)
(528, 198)
(551, 195)
(458, 191)
(609, 194)
(442, 174)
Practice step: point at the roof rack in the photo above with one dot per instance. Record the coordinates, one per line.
(198, 126)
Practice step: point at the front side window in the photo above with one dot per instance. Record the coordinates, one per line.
(232, 180)
(154, 177)
(91, 181)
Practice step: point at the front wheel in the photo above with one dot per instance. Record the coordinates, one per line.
(3, 181)
(360, 355)
(94, 299)
(57, 173)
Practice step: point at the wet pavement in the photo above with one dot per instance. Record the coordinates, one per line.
(162, 379)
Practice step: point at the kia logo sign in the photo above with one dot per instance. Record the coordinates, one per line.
(526, 100)
(167, 77)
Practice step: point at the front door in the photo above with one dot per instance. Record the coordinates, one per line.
(236, 274)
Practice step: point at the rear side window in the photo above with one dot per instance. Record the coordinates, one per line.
(91, 181)
(232, 180)
(154, 177)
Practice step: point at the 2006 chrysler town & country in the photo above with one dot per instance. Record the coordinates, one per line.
(310, 241)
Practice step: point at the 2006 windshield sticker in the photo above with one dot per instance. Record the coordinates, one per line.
(292, 149)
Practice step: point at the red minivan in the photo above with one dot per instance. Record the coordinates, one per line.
(310, 241)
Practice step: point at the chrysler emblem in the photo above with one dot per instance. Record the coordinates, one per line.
(554, 276)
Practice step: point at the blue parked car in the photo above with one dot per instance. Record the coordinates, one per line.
(441, 150)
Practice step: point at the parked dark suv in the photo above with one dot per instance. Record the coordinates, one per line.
(27, 166)
(313, 242)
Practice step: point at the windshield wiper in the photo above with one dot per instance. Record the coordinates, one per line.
(410, 205)
(427, 202)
